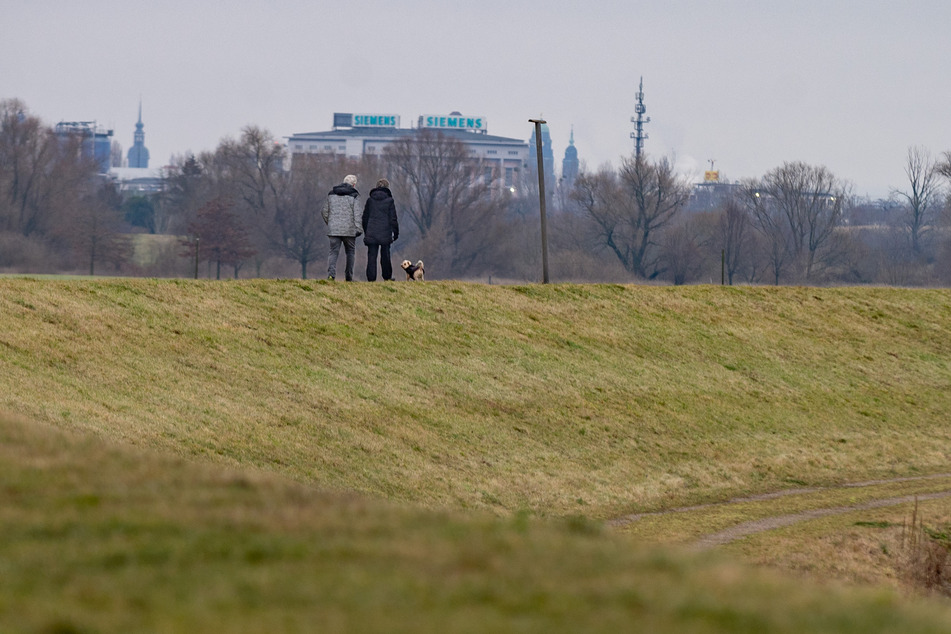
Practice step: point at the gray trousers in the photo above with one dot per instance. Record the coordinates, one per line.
(349, 247)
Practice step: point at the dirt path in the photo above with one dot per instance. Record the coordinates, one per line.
(769, 523)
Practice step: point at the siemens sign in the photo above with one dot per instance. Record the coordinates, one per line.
(452, 121)
(376, 121)
(348, 120)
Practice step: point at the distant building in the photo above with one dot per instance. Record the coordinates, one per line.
(95, 141)
(358, 135)
(138, 154)
(712, 193)
(548, 157)
(138, 180)
(570, 164)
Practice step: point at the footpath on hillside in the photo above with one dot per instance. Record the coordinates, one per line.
(763, 524)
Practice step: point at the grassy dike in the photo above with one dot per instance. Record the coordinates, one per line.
(286, 450)
(557, 400)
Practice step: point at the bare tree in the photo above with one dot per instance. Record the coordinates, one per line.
(598, 196)
(188, 186)
(222, 239)
(442, 190)
(302, 234)
(944, 166)
(797, 207)
(253, 167)
(631, 206)
(768, 221)
(94, 228)
(40, 175)
(922, 200)
(280, 203)
(733, 233)
(431, 172)
(680, 251)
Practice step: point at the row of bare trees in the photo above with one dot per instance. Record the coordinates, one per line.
(799, 223)
(55, 211)
(786, 220)
(249, 208)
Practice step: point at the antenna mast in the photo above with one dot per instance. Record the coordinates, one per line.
(639, 135)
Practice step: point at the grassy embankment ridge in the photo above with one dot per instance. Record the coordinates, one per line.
(556, 401)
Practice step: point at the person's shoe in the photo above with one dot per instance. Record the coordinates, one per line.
(330, 277)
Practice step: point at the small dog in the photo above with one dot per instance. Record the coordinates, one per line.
(414, 272)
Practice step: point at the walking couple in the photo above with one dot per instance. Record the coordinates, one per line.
(378, 225)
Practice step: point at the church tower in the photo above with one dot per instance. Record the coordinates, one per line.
(570, 164)
(138, 153)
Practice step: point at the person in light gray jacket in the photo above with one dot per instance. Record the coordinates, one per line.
(344, 218)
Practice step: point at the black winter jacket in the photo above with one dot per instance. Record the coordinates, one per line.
(380, 225)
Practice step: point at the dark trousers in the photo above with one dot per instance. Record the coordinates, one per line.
(349, 247)
(385, 264)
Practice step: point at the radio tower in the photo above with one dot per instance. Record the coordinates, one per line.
(639, 135)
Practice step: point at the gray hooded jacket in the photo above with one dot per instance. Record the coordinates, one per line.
(342, 213)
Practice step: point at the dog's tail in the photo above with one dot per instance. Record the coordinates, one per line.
(419, 265)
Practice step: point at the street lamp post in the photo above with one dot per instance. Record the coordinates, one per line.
(541, 195)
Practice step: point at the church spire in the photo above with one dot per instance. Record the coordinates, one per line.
(138, 154)
(570, 164)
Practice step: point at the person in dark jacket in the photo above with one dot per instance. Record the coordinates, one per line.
(380, 229)
(341, 213)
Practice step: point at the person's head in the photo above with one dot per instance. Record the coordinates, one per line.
(383, 183)
(350, 179)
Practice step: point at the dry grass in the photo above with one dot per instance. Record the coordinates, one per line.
(925, 562)
(903, 548)
(561, 401)
(567, 399)
(107, 538)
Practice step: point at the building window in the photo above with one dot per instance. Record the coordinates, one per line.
(509, 176)
(492, 152)
(328, 148)
(513, 152)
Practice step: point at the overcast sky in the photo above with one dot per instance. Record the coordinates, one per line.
(848, 84)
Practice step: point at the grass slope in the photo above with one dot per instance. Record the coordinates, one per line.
(227, 414)
(108, 538)
(559, 400)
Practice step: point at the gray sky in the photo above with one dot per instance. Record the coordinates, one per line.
(849, 84)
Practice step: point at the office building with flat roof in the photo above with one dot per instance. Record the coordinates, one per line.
(359, 135)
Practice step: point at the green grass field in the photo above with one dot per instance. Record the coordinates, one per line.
(276, 455)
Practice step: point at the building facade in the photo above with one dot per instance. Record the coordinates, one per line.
(358, 135)
(95, 141)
